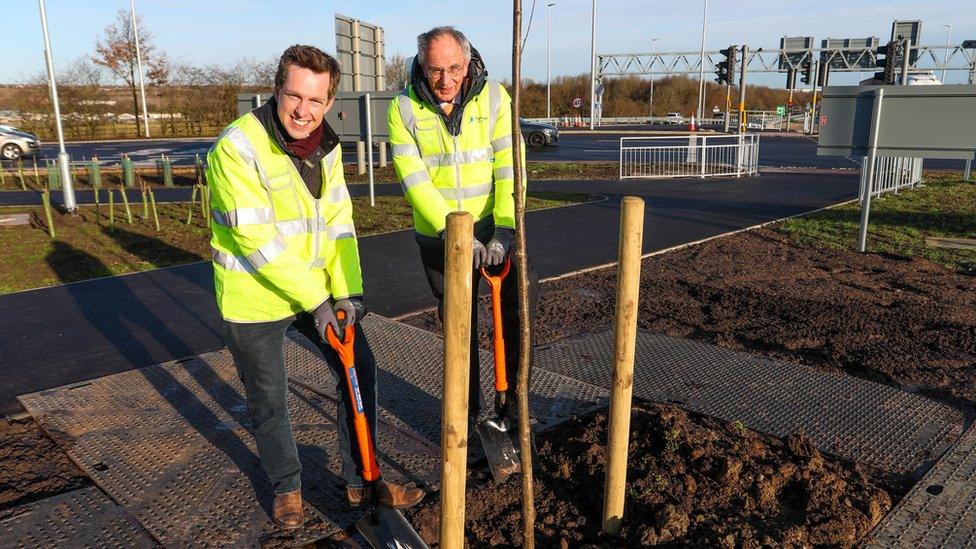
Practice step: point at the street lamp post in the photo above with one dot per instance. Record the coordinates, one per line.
(593, 65)
(64, 162)
(701, 68)
(650, 106)
(142, 87)
(945, 60)
(548, 65)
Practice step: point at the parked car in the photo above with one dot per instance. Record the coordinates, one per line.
(674, 118)
(15, 143)
(538, 134)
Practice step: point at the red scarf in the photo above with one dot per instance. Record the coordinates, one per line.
(303, 148)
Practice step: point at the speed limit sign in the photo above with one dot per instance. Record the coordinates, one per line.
(578, 102)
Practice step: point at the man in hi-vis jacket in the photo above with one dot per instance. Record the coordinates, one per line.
(285, 252)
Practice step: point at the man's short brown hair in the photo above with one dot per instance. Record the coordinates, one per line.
(311, 58)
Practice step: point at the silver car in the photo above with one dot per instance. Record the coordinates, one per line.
(15, 143)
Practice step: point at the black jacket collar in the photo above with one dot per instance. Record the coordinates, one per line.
(267, 114)
(476, 79)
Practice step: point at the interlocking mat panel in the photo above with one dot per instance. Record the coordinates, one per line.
(82, 518)
(940, 510)
(846, 416)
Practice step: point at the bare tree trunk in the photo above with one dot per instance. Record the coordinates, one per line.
(521, 261)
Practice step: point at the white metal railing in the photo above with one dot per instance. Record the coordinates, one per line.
(689, 156)
(891, 174)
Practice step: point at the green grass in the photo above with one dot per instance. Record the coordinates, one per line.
(944, 207)
(87, 248)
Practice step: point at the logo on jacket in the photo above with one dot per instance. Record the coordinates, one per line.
(473, 119)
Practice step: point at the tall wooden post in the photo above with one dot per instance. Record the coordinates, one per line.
(457, 353)
(625, 340)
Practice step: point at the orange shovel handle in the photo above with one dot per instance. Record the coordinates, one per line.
(344, 347)
(498, 340)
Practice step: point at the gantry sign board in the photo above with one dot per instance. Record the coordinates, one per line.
(347, 115)
(856, 57)
(914, 121)
(360, 49)
(795, 51)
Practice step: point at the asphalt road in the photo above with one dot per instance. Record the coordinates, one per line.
(775, 151)
(72, 332)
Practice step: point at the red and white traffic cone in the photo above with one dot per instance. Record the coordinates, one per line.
(691, 124)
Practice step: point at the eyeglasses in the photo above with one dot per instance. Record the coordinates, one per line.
(453, 71)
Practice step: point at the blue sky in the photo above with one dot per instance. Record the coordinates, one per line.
(202, 32)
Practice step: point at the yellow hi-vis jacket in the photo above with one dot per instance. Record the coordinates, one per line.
(276, 249)
(441, 173)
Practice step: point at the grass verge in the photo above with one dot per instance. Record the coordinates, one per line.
(944, 207)
(88, 247)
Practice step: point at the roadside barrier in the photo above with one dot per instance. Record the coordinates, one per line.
(692, 156)
(891, 174)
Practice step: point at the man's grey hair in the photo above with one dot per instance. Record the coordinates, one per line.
(424, 40)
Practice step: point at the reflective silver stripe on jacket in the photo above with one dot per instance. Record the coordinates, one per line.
(300, 226)
(464, 157)
(328, 162)
(338, 232)
(472, 191)
(416, 178)
(494, 105)
(254, 261)
(243, 216)
(505, 172)
(501, 143)
(406, 149)
(338, 194)
(406, 112)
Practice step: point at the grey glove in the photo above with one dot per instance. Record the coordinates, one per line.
(499, 246)
(324, 317)
(479, 254)
(354, 308)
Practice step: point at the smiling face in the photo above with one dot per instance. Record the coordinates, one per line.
(303, 99)
(445, 67)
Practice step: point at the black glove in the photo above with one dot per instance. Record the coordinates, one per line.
(478, 254)
(324, 317)
(354, 308)
(499, 245)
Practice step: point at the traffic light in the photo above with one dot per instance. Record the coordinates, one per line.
(725, 69)
(886, 58)
(806, 76)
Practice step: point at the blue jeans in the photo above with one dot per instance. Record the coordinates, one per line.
(259, 357)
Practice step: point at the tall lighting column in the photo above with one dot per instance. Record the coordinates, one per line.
(142, 87)
(548, 64)
(593, 65)
(64, 161)
(701, 68)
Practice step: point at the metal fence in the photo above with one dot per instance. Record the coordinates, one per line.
(891, 174)
(689, 156)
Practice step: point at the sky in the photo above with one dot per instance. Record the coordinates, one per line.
(204, 32)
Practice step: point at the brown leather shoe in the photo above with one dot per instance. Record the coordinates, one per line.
(392, 495)
(287, 510)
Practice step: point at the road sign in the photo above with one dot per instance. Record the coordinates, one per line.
(577, 102)
(780, 110)
(360, 51)
(716, 110)
(795, 50)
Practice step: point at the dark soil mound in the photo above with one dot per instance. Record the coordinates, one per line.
(692, 480)
(32, 467)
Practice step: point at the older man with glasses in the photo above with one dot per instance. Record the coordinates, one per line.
(451, 132)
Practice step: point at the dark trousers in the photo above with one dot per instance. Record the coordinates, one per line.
(259, 357)
(432, 257)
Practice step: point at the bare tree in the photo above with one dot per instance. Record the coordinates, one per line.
(261, 73)
(116, 51)
(83, 102)
(396, 72)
